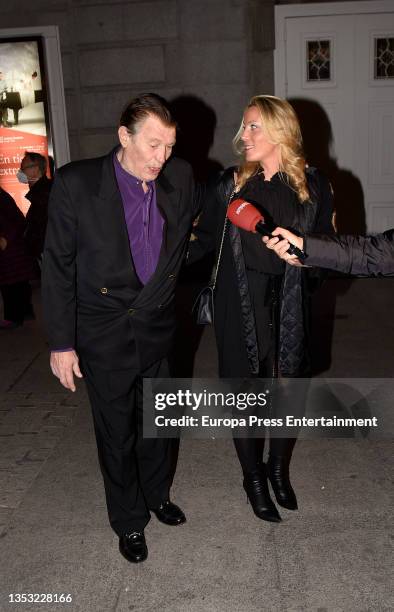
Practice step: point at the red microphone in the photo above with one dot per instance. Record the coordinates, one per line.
(244, 215)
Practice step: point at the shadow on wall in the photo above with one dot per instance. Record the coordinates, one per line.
(196, 130)
(350, 219)
(318, 140)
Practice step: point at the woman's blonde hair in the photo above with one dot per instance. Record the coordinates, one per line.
(281, 126)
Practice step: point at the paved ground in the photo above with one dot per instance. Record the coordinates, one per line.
(333, 554)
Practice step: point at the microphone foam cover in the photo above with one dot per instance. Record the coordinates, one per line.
(244, 215)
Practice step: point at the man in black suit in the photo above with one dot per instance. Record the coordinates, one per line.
(117, 233)
(3, 100)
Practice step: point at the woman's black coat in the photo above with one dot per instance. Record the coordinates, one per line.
(233, 314)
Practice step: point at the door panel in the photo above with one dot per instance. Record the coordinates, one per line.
(335, 95)
(337, 63)
(374, 117)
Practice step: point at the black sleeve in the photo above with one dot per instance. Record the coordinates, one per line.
(59, 268)
(315, 276)
(367, 256)
(200, 189)
(204, 233)
(325, 207)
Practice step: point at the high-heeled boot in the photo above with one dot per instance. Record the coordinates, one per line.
(278, 474)
(256, 488)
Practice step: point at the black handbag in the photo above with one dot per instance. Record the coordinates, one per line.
(204, 305)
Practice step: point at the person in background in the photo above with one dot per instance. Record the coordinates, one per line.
(17, 267)
(262, 305)
(33, 171)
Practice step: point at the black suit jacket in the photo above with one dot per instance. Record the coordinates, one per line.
(92, 297)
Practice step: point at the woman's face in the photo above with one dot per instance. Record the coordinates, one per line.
(257, 147)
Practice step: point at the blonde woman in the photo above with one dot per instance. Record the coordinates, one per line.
(261, 304)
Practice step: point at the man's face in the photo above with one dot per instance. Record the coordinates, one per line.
(144, 153)
(31, 169)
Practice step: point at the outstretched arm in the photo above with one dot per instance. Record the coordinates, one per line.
(362, 255)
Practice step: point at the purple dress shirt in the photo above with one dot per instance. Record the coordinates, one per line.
(143, 219)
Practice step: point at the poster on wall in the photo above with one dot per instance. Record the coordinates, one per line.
(24, 115)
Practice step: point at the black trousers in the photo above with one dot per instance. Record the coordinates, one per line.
(17, 301)
(136, 471)
(250, 450)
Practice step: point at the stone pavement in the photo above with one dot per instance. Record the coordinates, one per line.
(331, 555)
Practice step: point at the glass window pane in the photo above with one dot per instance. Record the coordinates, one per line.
(318, 60)
(384, 58)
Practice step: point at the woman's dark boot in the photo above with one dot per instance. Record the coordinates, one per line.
(278, 473)
(256, 487)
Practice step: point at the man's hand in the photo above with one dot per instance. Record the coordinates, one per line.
(280, 247)
(64, 365)
(3, 243)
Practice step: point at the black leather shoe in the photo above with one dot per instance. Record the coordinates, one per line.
(133, 546)
(278, 473)
(256, 487)
(169, 513)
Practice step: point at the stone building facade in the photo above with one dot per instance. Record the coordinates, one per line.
(220, 51)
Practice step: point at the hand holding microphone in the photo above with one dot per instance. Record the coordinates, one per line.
(244, 215)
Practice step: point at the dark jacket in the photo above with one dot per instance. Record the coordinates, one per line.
(92, 297)
(366, 256)
(37, 216)
(16, 265)
(233, 311)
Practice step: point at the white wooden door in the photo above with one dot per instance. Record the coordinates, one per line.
(339, 58)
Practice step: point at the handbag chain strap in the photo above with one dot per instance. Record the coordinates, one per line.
(216, 269)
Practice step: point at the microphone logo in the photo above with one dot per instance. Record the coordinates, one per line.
(240, 208)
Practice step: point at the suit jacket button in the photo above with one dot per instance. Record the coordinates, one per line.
(171, 276)
(131, 311)
(104, 290)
